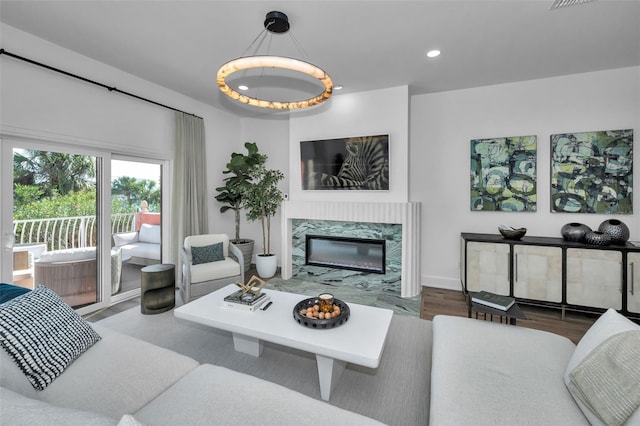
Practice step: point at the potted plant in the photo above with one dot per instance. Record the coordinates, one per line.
(231, 194)
(261, 200)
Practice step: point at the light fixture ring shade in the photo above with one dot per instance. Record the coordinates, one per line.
(280, 62)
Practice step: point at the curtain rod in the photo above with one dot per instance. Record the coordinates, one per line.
(109, 88)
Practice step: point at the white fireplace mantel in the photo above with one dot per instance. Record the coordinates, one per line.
(405, 214)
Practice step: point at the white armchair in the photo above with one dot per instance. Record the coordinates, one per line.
(211, 274)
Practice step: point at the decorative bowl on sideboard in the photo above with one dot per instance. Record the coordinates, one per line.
(513, 233)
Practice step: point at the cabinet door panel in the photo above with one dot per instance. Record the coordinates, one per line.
(488, 267)
(594, 278)
(633, 282)
(538, 273)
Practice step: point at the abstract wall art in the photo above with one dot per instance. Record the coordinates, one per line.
(592, 172)
(503, 174)
(357, 163)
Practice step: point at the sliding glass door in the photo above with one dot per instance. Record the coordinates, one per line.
(136, 221)
(55, 226)
(81, 222)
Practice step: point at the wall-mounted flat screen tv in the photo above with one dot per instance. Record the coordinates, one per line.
(357, 163)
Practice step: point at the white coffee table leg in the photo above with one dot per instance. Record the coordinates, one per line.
(247, 345)
(329, 372)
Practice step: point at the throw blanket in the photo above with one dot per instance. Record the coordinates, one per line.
(608, 379)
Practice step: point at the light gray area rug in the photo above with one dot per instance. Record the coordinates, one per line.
(396, 393)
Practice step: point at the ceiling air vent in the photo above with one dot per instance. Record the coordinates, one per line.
(558, 4)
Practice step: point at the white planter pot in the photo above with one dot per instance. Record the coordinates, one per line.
(266, 265)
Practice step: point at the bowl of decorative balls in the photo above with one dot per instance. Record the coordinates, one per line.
(308, 314)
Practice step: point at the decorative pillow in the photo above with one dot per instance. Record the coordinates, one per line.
(207, 254)
(150, 234)
(43, 335)
(607, 381)
(609, 324)
(10, 291)
(125, 238)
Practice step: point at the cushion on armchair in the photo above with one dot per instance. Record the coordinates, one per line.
(206, 240)
(214, 270)
(207, 254)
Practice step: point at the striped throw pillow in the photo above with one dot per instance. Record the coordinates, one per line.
(43, 335)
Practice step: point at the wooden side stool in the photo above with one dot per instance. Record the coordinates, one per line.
(158, 288)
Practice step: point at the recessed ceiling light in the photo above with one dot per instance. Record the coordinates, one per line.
(433, 53)
(337, 87)
(243, 87)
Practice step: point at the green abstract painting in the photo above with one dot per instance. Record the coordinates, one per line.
(592, 172)
(503, 174)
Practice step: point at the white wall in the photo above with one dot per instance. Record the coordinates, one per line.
(43, 105)
(442, 125)
(375, 112)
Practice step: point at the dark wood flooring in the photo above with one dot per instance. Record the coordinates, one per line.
(451, 302)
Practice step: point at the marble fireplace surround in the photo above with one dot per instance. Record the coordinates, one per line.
(405, 214)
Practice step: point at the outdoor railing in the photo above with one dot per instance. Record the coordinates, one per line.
(59, 233)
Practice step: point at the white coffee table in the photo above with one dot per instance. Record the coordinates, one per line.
(359, 341)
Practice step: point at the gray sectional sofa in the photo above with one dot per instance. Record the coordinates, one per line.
(126, 381)
(482, 373)
(485, 373)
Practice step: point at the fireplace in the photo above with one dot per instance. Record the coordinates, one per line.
(397, 223)
(357, 254)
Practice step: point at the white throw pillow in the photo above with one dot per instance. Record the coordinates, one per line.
(125, 238)
(150, 234)
(609, 323)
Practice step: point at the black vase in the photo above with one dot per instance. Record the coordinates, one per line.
(597, 238)
(574, 231)
(618, 231)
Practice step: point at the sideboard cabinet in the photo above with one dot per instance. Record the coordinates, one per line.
(553, 272)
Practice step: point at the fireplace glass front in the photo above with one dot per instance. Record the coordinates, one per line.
(357, 254)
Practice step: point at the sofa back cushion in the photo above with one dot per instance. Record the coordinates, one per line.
(150, 234)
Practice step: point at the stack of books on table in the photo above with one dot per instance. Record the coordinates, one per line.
(245, 301)
(492, 300)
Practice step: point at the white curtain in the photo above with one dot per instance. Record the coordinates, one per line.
(189, 195)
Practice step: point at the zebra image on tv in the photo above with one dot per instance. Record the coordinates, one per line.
(357, 163)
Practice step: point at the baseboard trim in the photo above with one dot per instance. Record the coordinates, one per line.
(441, 282)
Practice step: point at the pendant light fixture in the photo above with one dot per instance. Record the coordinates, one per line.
(275, 23)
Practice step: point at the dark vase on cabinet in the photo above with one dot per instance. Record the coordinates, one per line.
(574, 231)
(617, 230)
(597, 238)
